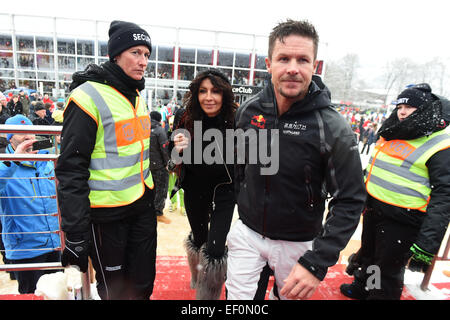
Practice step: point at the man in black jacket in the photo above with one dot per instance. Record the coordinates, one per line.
(38, 117)
(281, 214)
(159, 157)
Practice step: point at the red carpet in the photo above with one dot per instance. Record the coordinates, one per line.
(173, 277)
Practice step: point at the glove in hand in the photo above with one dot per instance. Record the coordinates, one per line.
(76, 253)
(420, 259)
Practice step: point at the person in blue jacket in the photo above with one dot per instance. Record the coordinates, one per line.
(29, 210)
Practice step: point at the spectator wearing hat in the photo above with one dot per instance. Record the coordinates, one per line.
(408, 186)
(159, 157)
(15, 106)
(29, 210)
(105, 184)
(39, 116)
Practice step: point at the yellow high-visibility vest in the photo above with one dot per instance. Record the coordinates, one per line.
(397, 173)
(119, 166)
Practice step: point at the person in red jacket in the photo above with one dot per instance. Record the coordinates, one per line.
(48, 100)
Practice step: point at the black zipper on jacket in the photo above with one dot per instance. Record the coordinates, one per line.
(230, 181)
(267, 181)
(309, 190)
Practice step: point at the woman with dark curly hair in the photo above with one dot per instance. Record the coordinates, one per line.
(208, 187)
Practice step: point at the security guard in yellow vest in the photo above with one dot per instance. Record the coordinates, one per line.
(408, 185)
(105, 184)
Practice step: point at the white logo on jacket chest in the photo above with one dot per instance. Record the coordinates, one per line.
(293, 128)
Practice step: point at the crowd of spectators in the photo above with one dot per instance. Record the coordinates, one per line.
(364, 124)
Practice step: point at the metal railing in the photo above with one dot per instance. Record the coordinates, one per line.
(41, 130)
(444, 257)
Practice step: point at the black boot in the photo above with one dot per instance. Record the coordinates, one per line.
(353, 263)
(354, 290)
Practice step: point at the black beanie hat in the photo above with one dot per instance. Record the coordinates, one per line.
(39, 106)
(416, 96)
(155, 115)
(124, 35)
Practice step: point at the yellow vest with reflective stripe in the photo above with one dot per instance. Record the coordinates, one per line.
(119, 166)
(397, 173)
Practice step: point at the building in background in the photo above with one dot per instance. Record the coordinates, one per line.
(42, 53)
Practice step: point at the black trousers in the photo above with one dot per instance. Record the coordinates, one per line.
(28, 279)
(208, 225)
(124, 256)
(161, 182)
(385, 243)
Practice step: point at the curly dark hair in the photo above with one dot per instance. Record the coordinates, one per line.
(190, 100)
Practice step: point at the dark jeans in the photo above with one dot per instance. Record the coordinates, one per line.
(385, 243)
(28, 279)
(124, 256)
(208, 225)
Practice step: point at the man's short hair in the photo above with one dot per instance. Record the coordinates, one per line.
(300, 28)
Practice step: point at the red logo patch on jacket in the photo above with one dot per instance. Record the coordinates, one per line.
(258, 121)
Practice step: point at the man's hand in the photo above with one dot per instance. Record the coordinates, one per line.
(300, 284)
(76, 253)
(26, 147)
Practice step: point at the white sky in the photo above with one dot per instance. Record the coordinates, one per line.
(376, 30)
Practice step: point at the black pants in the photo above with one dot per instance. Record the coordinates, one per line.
(208, 225)
(161, 182)
(384, 243)
(28, 279)
(364, 147)
(124, 256)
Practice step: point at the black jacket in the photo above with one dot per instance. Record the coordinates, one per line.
(318, 155)
(38, 121)
(202, 175)
(159, 146)
(15, 108)
(4, 115)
